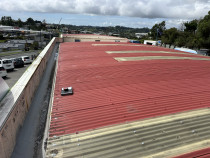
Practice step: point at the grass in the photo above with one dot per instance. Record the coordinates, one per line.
(8, 53)
(3, 41)
(3, 54)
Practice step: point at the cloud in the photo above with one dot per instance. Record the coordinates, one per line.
(184, 9)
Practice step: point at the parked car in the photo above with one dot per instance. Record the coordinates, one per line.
(7, 64)
(18, 62)
(26, 59)
(3, 72)
(205, 52)
(13, 60)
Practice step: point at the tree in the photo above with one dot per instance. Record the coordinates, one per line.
(169, 36)
(1, 37)
(157, 30)
(35, 45)
(7, 20)
(191, 26)
(30, 22)
(182, 27)
(181, 39)
(203, 32)
(19, 23)
(192, 42)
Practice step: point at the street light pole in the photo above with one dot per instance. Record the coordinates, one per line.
(41, 37)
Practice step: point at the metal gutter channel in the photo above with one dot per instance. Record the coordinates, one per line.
(30, 136)
(46, 133)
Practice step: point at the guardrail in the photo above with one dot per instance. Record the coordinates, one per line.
(15, 105)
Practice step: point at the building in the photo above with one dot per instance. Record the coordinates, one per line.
(150, 42)
(140, 35)
(129, 100)
(11, 46)
(91, 38)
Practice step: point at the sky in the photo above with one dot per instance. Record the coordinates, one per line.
(129, 13)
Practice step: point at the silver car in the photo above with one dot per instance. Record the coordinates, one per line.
(26, 59)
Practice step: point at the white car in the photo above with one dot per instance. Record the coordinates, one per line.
(3, 72)
(7, 64)
(26, 59)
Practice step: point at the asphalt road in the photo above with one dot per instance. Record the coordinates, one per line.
(13, 76)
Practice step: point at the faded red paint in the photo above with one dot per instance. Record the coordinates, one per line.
(204, 153)
(109, 92)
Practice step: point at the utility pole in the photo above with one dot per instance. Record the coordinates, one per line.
(157, 37)
(59, 25)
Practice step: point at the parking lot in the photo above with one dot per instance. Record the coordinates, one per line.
(13, 76)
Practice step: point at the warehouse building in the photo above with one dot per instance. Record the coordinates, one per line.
(129, 100)
(111, 99)
(91, 38)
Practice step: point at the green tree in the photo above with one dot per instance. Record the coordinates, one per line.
(181, 39)
(191, 26)
(169, 36)
(7, 20)
(157, 30)
(35, 45)
(203, 33)
(1, 37)
(192, 42)
(30, 22)
(19, 23)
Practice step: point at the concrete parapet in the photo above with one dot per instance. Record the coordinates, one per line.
(15, 105)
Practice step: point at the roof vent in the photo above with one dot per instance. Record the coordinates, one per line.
(67, 91)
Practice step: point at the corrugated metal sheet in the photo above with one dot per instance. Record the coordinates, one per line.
(108, 92)
(161, 137)
(204, 153)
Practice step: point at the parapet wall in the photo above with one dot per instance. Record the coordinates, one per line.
(15, 105)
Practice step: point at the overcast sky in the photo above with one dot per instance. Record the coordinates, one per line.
(131, 13)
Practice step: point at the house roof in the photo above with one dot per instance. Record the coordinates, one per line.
(117, 86)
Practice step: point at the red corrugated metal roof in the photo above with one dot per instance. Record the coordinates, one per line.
(204, 153)
(109, 92)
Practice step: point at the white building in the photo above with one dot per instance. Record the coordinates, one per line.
(140, 35)
(150, 42)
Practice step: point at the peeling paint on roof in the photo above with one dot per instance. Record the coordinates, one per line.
(165, 136)
(109, 93)
(158, 58)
